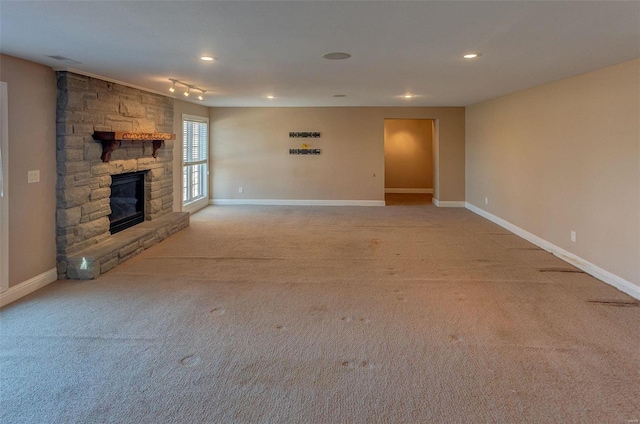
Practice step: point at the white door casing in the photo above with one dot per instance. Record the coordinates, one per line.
(4, 189)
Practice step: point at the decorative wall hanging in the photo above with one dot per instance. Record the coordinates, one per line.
(304, 135)
(304, 151)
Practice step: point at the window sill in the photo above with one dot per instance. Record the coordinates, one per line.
(196, 205)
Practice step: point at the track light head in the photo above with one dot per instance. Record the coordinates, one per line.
(188, 88)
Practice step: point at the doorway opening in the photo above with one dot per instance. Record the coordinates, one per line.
(408, 161)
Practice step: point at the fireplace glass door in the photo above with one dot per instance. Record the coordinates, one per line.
(127, 201)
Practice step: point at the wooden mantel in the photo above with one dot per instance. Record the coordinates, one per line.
(111, 140)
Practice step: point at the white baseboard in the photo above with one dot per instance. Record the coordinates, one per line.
(26, 287)
(591, 269)
(448, 203)
(409, 190)
(295, 202)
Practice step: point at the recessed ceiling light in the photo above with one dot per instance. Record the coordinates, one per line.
(206, 58)
(408, 96)
(339, 95)
(471, 55)
(271, 97)
(337, 56)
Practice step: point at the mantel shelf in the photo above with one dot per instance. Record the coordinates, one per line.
(111, 140)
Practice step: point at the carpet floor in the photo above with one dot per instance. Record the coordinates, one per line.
(398, 314)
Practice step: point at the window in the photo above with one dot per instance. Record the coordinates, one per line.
(195, 162)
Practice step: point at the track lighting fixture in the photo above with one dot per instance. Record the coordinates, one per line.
(188, 87)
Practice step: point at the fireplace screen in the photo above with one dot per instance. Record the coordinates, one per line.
(127, 201)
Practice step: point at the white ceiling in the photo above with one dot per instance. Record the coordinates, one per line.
(268, 47)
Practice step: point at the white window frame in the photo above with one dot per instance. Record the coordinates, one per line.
(195, 205)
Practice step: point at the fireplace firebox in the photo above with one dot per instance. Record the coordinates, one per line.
(127, 201)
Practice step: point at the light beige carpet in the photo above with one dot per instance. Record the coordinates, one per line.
(405, 314)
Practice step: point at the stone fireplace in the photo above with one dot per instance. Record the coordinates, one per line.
(87, 105)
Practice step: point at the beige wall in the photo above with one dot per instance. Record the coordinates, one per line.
(408, 153)
(32, 145)
(250, 150)
(565, 157)
(180, 107)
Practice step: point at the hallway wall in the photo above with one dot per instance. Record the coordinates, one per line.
(31, 94)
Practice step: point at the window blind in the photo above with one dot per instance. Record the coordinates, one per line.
(195, 142)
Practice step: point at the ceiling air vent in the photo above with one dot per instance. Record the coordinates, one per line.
(65, 60)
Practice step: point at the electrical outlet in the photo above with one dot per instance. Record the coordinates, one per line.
(486, 200)
(33, 176)
(240, 190)
(573, 236)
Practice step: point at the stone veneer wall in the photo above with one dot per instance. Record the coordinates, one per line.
(83, 187)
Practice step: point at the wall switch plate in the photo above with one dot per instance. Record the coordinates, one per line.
(33, 176)
(573, 236)
(486, 200)
(240, 189)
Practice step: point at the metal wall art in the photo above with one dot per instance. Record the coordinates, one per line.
(304, 151)
(304, 135)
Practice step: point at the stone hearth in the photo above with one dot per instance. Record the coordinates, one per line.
(86, 105)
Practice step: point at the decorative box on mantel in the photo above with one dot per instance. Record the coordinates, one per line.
(111, 140)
